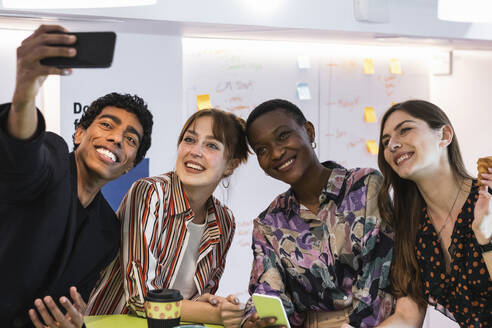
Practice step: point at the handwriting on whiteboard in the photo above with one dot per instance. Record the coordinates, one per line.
(355, 143)
(346, 103)
(390, 82)
(338, 134)
(225, 86)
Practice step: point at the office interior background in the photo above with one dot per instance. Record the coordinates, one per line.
(342, 62)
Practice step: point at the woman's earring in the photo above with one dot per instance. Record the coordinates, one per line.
(313, 144)
(226, 182)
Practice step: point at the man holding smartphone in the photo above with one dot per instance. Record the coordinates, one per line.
(56, 228)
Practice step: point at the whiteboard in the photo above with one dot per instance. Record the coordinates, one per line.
(239, 74)
(345, 91)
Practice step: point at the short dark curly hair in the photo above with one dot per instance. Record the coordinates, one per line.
(132, 104)
(276, 104)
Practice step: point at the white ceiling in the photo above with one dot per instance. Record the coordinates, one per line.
(24, 20)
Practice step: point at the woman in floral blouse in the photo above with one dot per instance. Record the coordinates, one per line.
(441, 254)
(320, 246)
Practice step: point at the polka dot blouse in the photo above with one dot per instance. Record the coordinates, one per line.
(464, 294)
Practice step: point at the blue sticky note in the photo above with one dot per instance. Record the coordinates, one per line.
(303, 62)
(303, 91)
(115, 190)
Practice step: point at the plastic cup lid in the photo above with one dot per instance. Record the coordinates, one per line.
(164, 295)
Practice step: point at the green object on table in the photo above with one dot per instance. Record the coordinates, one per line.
(123, 321)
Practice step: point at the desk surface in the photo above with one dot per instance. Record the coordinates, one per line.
(122, 321)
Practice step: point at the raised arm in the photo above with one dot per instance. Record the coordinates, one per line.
(23, 117)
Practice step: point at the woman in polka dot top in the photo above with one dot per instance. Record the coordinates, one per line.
(442, 257)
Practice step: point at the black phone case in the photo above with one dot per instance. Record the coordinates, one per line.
(94, 50)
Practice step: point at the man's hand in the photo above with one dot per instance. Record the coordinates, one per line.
(254, 321)
(31, 74)
(54, 318)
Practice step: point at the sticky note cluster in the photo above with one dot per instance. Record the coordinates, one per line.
(394, 66)
(370, 117)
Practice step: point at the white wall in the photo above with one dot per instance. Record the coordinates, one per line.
(466, 97)
(10, 40)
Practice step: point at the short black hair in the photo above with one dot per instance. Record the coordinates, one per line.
(276, 104)
(132, 104)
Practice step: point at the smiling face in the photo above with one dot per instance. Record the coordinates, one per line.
(282, 146)
(411, 147)
(108, 147)
(201, 160)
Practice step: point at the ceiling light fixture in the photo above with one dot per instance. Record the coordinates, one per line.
(69, 4)
(469, 11)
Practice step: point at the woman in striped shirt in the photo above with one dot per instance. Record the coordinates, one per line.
(175, 233)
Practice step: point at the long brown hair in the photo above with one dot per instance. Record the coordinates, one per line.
(403, 213)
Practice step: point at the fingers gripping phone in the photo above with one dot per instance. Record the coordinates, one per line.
(94, 50)
(270, 306)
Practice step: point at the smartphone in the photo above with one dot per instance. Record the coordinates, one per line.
(270, 306)
(94, 50)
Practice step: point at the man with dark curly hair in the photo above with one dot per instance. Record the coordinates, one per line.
(57, 232)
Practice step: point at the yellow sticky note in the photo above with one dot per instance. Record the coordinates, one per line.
(203, 102)
(372, 147)
(368, 66)
(369, 115)
(395, 66)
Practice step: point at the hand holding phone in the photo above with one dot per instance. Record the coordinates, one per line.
(94, 50)
(270, 306)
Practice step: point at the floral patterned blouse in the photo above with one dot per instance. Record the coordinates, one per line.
(339, 258)
(465, 293)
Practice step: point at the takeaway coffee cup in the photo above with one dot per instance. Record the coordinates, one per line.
(163, 308)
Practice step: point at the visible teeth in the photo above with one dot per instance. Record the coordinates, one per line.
(290, 161)
(194, 166)
(401, 158)
(107, 153)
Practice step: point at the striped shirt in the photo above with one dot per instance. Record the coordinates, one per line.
(155, 214)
